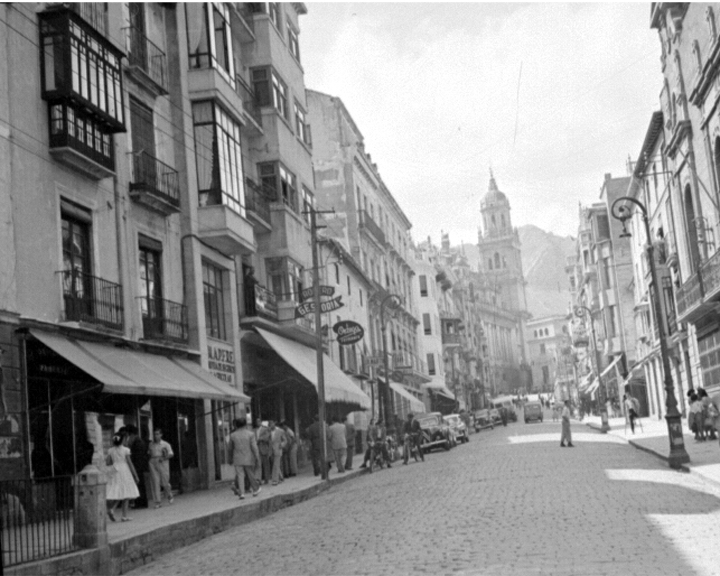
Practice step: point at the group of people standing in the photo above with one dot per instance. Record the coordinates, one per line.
(131, 465)
(703, 415)
(339, 442)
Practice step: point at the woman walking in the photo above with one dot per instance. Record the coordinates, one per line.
(123, 479)
(566, 436)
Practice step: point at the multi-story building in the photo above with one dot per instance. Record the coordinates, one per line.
(377, 232)
(548, 340)
(501, 264)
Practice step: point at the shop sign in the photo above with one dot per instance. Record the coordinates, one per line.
(327, 306)
(308, 293)
(348, 332)
(221, 362)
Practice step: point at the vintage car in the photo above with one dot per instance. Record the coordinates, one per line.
(509, 407)
(483, 420)
(495, 415)
(458, 427)
(436, 433)
(533, 411)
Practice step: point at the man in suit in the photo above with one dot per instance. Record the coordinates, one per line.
(313, 434)
(338, 443)
(350, 440)
(277, 445)
(245, 456)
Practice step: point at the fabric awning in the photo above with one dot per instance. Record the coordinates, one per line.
(415, 404)
(338, 387)
(124, 371)
(611, 365)
(437, 385)
(585, 382)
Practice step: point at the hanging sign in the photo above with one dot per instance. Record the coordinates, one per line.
(308, 293)
(309, 307)
(348, 332)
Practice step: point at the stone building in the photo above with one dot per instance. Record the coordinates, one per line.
(548, 340)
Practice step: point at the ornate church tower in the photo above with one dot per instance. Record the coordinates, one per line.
(501, 264)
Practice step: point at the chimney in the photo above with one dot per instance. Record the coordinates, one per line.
(608, 176)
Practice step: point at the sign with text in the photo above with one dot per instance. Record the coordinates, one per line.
(308, 293)
(221, 362)
(327, 306)
(348, 332)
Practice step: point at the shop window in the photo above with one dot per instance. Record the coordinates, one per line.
(218, 156)
(214, 300)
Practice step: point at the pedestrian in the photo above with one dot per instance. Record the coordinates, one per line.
(709, 414)
(291, 450)
(313, 434)
(338, 443)
(503, 415)
(566, 435)
(411, 428)
(262, 436)
(277, 444)
(695, 417)
(139, 458)
(122, 479)
(160, 453)
(245, 457)
(376, 434)
(350, 440)
(632, 407)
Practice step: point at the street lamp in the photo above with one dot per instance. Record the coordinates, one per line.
(395, 302)
(580, 312)
(678, 454)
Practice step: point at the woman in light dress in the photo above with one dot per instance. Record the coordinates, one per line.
(122, 479)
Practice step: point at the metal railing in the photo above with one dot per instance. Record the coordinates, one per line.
(710, 270)
(689, 294)
(149, 173)
(147, 56)
(259, 301)
(94, 13)
(164, 319)
(247, 95)
(88, 298)
(37, 519)
(258, 199)
(367, 222)
(452, 339)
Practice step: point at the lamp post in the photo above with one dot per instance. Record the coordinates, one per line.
(678, 454)
(580, 312)
(395, 301)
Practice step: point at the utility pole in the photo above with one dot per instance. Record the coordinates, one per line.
(318, 334)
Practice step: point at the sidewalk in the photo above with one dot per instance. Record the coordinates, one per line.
(192, 517)
(653, 438)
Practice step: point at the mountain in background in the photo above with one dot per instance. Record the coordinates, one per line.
(543, 261)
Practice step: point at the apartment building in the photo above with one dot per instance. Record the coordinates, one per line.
(549, 352)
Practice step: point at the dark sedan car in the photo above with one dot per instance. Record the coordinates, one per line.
(483, 420)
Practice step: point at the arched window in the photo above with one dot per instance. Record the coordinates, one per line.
(497, 260)
(710, 17)
(535, 333)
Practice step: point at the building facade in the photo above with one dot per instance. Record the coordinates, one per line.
(548, 340)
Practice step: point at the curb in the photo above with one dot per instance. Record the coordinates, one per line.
(122, 556)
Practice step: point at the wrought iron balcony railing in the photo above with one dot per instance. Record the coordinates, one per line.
(164, 320)
(368, 223)
(689, 294)
(148, 57)
(248, 98)
(91, 299)
(259, 301)
(149, 173)
(258, 199)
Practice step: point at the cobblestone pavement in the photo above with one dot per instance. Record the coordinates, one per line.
(511, 502)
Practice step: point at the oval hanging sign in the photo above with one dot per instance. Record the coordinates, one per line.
(348, 332)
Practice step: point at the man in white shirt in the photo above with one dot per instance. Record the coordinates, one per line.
(566, 436)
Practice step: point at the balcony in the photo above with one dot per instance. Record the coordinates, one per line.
(154, 184)
(257, 204)
(91, 299)
(689, 297)
(147, 63)
(252, 110)
(208, 83)
(710, 270)
(223, 228)
(372, 228)
(450, 339)
(164, 320)
(259, 301)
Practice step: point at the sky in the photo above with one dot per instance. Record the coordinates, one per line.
(551, 97)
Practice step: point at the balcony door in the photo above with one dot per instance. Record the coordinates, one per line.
(151, 303)
(77, 282)
(143, 144)
(138, 55)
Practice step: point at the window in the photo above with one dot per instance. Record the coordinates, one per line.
(218, 156)
(542, 348)
(546, 375)
(279, 91)
(431, 364)
(337, 274)
(612, 321)
(308, 203)
(284, 278)
(293, 43)
(423, 285)
(497, 261)
(76, 245)
(302, 129)
(150, 282)
(214, 301)
(209, 38)
(361, 296)
(270, 90)
(274, 13)
(426, 324)
(274, 176)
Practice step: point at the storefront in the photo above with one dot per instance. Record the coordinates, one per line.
(80, 392)
(439, 398)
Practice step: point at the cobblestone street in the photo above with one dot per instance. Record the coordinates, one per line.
(509, 502)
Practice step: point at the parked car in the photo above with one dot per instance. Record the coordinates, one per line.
(533, 411)
(495, 415)
(458, 427)
(483, 420)
(509, 408)
(436, 433)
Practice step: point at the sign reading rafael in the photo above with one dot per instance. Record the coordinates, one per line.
(348, 332)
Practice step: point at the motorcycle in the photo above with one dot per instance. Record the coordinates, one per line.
(410, 449)
(377, 459)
